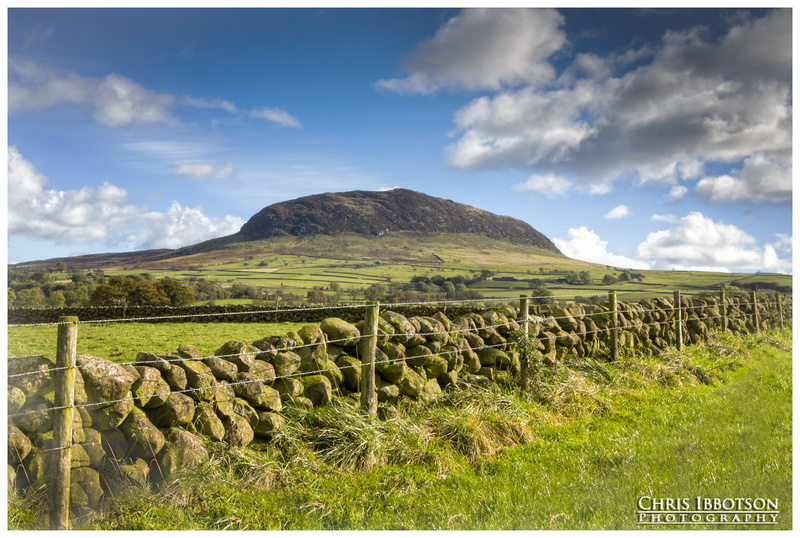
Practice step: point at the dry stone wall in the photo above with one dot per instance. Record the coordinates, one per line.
(139, 422)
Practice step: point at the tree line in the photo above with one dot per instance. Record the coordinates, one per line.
(41, 289)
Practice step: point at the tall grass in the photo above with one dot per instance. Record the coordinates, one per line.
(575, 452)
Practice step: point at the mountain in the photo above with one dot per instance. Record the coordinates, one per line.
(376, 213)
(335, 222)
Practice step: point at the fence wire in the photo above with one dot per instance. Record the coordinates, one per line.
(531, 319)
(295, 374)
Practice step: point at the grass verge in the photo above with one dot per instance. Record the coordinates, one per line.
(577, 452)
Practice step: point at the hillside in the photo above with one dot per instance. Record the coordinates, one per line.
(376, 213)
(386, 225)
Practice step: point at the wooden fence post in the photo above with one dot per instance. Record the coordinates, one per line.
(678, 317)
(523, 318)
(66, 353)
(754, 306)
(612, 306)
(724, 311)
(780, 308)
(369, 400)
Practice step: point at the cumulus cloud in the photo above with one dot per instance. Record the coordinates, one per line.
(484, 49)
(203, 170)
(275, 115)
(696, 102)
(584, 244)
(677, 193)
(181, 226)
(763, 178)
(106, 213)
(783, 243)
(619, 212)
(698, 243)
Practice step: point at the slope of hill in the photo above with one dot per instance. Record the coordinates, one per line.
(378, 212)
(385, 225)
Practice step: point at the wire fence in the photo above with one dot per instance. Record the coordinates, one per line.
(616, 317)
(508, 325)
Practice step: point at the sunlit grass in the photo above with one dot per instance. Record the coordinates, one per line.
(122, 341)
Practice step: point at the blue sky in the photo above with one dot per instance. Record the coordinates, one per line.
(632, 137)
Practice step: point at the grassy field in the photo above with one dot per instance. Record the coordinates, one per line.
(355, 262)
(577, 452)
(122, 341)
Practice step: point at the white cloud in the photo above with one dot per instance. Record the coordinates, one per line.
(695, 102)
(549, 185)
(584, 244)
(763, 178)
(672, 219)
(209, 104)
(619, 212)
(105, 213)
(783, 243)
(276, 115)
(203, 170)
(699, 243)
(115, 100)
(181, 226)
(484, 49)
(677, 193)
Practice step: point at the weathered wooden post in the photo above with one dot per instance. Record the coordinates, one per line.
(612, 306)
(724, 311)
(369, 342)
(523, 318)
(678, 319)
(755, 311)
(780, 308)
(64, 398)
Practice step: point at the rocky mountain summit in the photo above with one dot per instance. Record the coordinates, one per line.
(378, 212)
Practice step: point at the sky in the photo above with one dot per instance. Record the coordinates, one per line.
(637, 138)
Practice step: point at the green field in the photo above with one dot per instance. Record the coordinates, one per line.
(122, 341)
(355, 262)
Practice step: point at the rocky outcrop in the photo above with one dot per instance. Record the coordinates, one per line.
(378, 212)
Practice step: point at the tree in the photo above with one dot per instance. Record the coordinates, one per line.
(625, 276)
(178, 294)
(56, 299)
(77, 296)
(541, 295)
(609, 280)
(107, 295)
(146, 292)
(449, 289)
(374, 292)
(458, 279)
(240, 291)
(316, 296)
(29, 298)
(585, 277)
